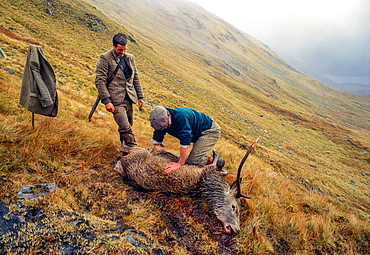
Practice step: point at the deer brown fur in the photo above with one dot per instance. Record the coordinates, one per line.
(145, 169)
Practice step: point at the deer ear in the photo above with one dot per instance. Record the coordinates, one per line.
(118, 168)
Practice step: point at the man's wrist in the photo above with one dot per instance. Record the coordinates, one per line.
(155, 142)
(106, 100)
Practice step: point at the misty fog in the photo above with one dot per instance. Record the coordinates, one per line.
(325, 37)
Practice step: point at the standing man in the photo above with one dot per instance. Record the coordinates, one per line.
(123, 90)
(189, 126)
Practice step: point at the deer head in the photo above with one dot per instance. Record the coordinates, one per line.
(224, 198)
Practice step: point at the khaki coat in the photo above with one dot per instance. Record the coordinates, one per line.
(38, 92)
(120, 87)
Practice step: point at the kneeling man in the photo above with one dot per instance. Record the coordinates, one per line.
(189, 126)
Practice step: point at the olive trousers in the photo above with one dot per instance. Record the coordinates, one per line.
(124, 117)
(201, 148)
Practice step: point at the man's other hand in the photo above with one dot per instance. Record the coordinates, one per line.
(172, 166)
(109, 107)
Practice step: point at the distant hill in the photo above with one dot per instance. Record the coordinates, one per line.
(355, 88)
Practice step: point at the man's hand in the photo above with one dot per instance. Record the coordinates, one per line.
(140, 103)
(172, 166)
(184, 151)
(158, 147)
(109, 107)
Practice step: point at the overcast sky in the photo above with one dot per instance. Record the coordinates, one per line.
(264, 19)
(303, 28)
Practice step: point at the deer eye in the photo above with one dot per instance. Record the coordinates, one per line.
(233, 207)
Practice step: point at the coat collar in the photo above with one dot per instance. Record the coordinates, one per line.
(115, 55)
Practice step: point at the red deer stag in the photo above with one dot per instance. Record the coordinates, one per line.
(142, 168)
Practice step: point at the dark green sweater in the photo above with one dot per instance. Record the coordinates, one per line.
(186, 125)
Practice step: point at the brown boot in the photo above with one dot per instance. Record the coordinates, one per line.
(220, 163)
(128, 139)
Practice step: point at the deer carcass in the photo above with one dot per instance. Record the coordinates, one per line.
(145, 169)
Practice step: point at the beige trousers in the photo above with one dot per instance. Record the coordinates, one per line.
(201, 148)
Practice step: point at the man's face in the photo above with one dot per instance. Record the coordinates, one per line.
(120, 49)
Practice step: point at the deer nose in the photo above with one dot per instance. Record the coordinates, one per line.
(230, 231)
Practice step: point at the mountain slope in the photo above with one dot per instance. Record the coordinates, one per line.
(308, 175)
(184, 29)
(251, 80)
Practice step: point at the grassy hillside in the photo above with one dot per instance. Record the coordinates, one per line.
(308, 176)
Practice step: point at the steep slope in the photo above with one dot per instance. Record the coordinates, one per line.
(308, 176)
(219, 49)
(183, 30)
(257, 93)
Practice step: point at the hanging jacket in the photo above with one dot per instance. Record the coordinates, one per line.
(38, 92)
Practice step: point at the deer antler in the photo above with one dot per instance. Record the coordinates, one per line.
(238, 179)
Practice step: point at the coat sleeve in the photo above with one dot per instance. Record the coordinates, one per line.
(136, 80)
(102, 69)
(43, 94)
(158, 135)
